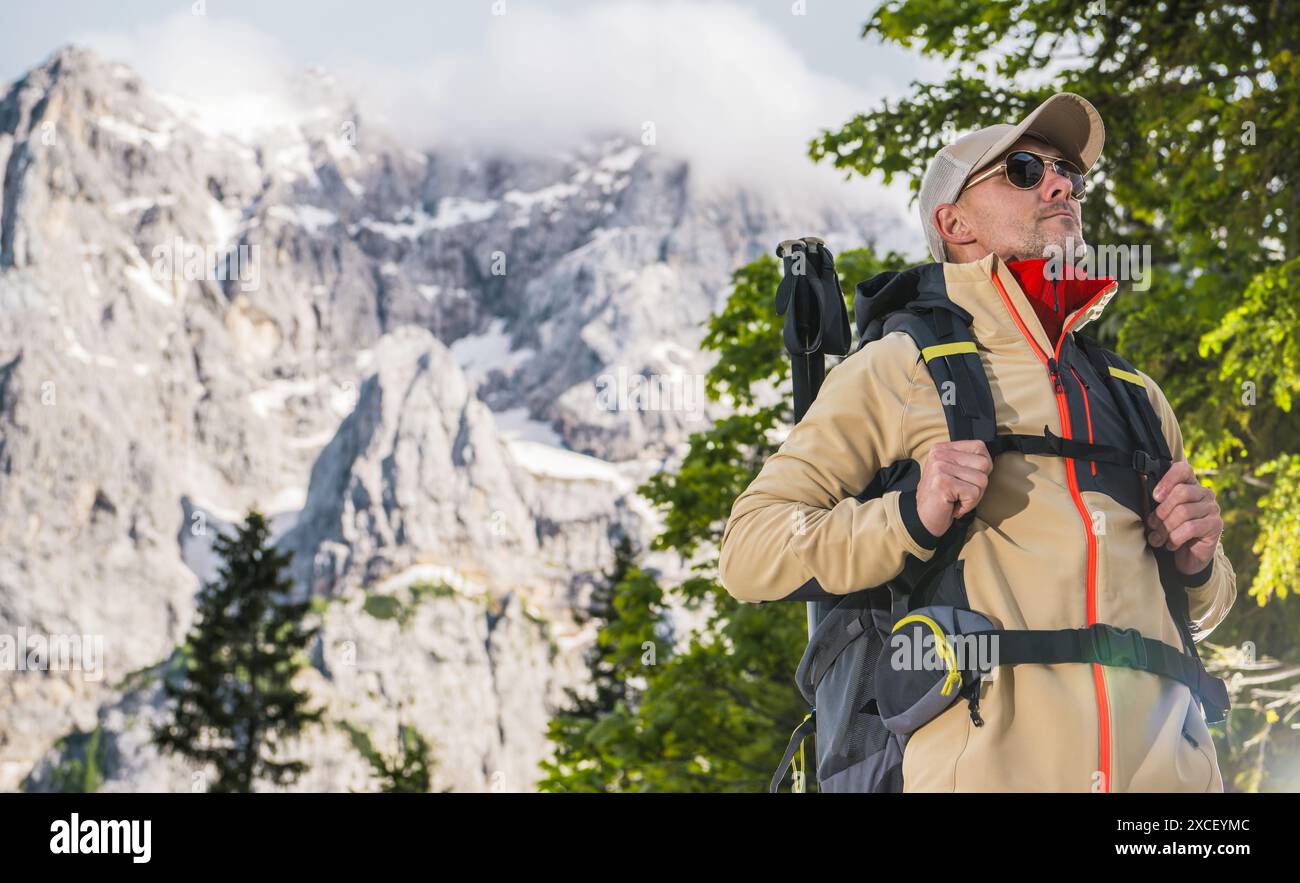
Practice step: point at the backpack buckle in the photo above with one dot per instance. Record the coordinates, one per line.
(1116, 646)
(1145, 464)
(1213, 693)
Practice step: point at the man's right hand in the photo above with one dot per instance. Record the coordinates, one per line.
(953, 480)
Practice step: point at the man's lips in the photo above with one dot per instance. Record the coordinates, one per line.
(1064, 214)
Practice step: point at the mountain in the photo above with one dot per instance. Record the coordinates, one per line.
(405, 358)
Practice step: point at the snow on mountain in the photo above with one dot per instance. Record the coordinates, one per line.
(404, 358)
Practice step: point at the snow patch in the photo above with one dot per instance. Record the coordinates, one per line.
(311, 218)
(412, 222)
(133, 134)
(140, 275)
(547, 197)
(81, 354)
(140, 203)
(546, 461)
(515, 424)
(479, 353)
(429, 573)
(224, 222)
(273, 396)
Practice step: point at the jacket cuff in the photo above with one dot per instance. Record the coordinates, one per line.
(919, 533)
(1198, 579)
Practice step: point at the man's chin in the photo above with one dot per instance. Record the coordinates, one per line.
(1065, 240)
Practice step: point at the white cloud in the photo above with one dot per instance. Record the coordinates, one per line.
(720, 87)
(235, 77)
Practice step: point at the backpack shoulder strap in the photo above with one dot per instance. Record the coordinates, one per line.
(915, 301)
(1128, 389)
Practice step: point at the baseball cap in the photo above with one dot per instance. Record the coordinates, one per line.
(1066, 121)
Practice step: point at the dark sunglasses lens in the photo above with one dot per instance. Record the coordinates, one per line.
(1024, 170)
(1077, 185)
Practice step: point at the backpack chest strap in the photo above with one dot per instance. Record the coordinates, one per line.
(1108, 645)
(1051, 445)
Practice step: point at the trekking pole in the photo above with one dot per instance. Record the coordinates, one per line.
(816, 324)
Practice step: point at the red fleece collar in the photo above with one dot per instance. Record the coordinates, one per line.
(1053, 300)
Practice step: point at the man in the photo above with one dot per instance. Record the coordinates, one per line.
(1055, 543)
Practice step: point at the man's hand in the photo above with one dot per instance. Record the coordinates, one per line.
(952, 483)
(1186, 521)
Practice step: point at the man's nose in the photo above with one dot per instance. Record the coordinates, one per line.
(1055, 187)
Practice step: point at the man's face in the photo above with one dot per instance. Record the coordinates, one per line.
(1022, 224)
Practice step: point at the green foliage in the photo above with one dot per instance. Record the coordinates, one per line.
(233, 705)
(1279, 511)
(83, 757)
(592, 735)
(393, 607)
(382, 606)
(713, 711)
(408, 771)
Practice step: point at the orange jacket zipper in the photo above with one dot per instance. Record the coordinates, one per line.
(1098, 677)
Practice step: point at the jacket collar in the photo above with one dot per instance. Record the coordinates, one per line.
(1085, 299)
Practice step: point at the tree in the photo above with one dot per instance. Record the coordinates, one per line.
(234, 707)
(1201, 102)
(626, 606)
(713, 711)
(409, 770)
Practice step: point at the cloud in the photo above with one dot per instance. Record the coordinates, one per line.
(717, 84)
(204, 58)
(712, 81)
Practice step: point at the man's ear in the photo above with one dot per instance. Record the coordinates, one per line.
(952, 226)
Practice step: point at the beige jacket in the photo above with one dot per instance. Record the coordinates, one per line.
(1049, 549)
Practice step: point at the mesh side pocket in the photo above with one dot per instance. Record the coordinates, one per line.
(879, 773)
(855, 752)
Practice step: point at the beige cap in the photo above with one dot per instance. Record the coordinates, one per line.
(1066, 121)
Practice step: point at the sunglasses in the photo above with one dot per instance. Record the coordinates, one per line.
(1025, 170)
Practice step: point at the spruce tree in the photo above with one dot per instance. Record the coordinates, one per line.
(233, 707)
(593, 746)
(409, 770)
(610, 688)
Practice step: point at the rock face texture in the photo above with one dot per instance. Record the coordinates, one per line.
(397, 355)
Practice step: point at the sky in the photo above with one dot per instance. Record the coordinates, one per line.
(740, 87)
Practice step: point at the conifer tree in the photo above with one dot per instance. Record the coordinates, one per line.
(233, 707)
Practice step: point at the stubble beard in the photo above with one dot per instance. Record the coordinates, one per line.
(1042, 243)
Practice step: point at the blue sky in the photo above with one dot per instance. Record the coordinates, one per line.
(326, 32)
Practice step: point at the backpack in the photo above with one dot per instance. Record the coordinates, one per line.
(862, 709)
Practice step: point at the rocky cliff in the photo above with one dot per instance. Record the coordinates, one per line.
(396, 354)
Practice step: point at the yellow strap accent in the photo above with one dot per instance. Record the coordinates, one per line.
(1127, 375)
(942, 647)
(947, 349)
(799, 767)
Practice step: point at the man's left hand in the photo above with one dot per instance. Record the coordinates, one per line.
(1186, 520)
